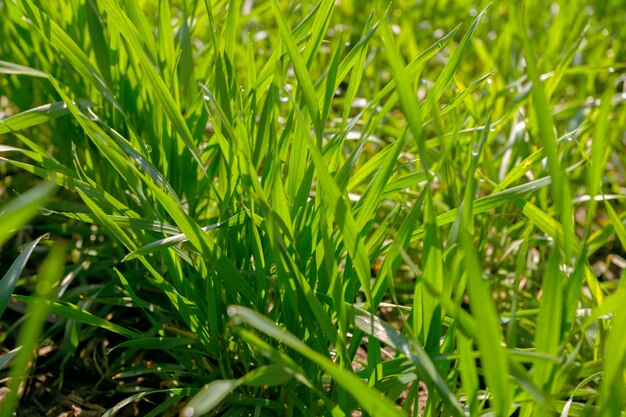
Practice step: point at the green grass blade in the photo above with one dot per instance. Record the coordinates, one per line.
(599, 156)
(62, 42)
(209, 397)
(452, 65)
(387, 334)
(70, 311)
(153, 78)
(97, 34)
(545, 125)
(6, 358)
(16, 213)
(404, 88)
(181, 237)
(488, 334)
(30, 332)
(9, 280)
(371, 401)
(154, 343)
(33, 117)
(618, 226)
(342, 211)
(548, 334)
(433, 267)
(611, 401)
(9, 68)
(304, 78)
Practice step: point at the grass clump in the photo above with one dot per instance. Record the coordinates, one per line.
(285, 208)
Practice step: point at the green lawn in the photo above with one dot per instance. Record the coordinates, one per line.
(282, 208)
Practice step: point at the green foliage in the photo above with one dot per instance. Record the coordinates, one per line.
(299, 208)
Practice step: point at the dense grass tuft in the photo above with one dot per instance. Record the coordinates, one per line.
(293, 208)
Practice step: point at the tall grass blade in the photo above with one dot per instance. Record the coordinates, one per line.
(371, 401)
(30, 331)
(17, 212)
(9, 280)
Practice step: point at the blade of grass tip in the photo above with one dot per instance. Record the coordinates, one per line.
(33, 117)
(112, 153)
(152, 77)
(6, 358)
(71, 183)
(17, 212)
(302, 74)
(369, 398)
(10, 68)
(154, 343)
(209, 398)
(212, 394)
(458, 99)
(9, 280)
(41, 155)
(300, 35)
(451, 66)
(50, 272)
(546, 128)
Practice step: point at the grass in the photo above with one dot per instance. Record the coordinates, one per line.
(305, 209)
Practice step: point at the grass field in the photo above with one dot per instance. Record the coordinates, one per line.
(342, 208)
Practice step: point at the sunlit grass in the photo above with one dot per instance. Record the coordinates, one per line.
(285, 208)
